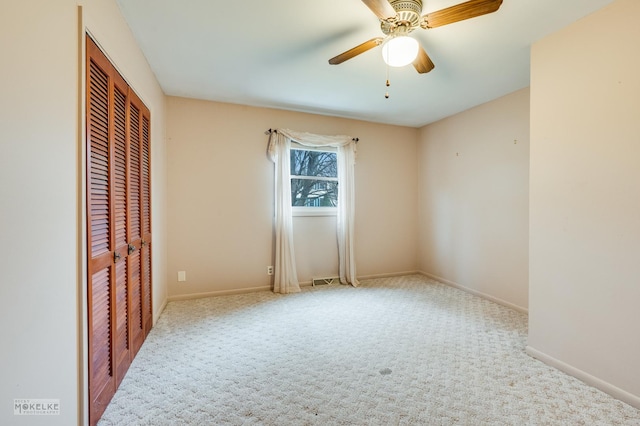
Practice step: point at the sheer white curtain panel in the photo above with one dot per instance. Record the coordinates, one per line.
(346, 213)
(285, 276)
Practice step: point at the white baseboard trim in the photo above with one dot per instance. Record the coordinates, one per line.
(218, 293)
(622, 395)
(158, 312)
(477, 293)
(389, 275)
(369, 277)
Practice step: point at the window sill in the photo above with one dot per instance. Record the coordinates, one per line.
(314, 211)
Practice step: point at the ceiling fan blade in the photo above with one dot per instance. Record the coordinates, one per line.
(460, 12)
(423, 63)
(361, 48)
(381, 8)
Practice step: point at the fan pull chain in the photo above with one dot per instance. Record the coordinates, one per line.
(386, 94)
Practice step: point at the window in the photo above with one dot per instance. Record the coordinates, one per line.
(319, 163)
(314, 179)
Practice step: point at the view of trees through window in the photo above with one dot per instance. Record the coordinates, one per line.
(314, 178)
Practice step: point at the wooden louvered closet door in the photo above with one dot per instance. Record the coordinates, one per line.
(118, 227)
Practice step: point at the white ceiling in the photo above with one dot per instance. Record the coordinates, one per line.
(274, 54)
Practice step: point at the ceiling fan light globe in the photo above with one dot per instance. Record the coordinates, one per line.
(400, 51)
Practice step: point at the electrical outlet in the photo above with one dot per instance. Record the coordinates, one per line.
(182, 276)
(269, 270)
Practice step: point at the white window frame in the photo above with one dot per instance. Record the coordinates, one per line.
(313, 211)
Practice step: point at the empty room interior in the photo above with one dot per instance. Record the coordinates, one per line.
(499, 169)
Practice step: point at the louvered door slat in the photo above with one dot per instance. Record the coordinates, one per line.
(120, 170)
(145, 185)
(137, 329)
(134, 172)
(98, 129)
(101, 353)
(101, 377)
(145, 167)
(122, 322)
(135, 265)
(147, 317)
(119, 206)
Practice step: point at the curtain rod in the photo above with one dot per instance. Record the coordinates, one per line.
(269, 131)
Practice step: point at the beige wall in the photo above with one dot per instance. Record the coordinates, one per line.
(102, 19)
(220, 198)
(474, 199)
(40, 220)
(585, 186)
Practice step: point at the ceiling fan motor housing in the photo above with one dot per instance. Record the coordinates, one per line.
(407, 16)
(398, 18)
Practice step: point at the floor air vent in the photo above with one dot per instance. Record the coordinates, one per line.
(324, 281)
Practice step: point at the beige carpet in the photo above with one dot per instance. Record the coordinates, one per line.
(395, 351)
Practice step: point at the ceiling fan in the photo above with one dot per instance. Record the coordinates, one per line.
(398, 18)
